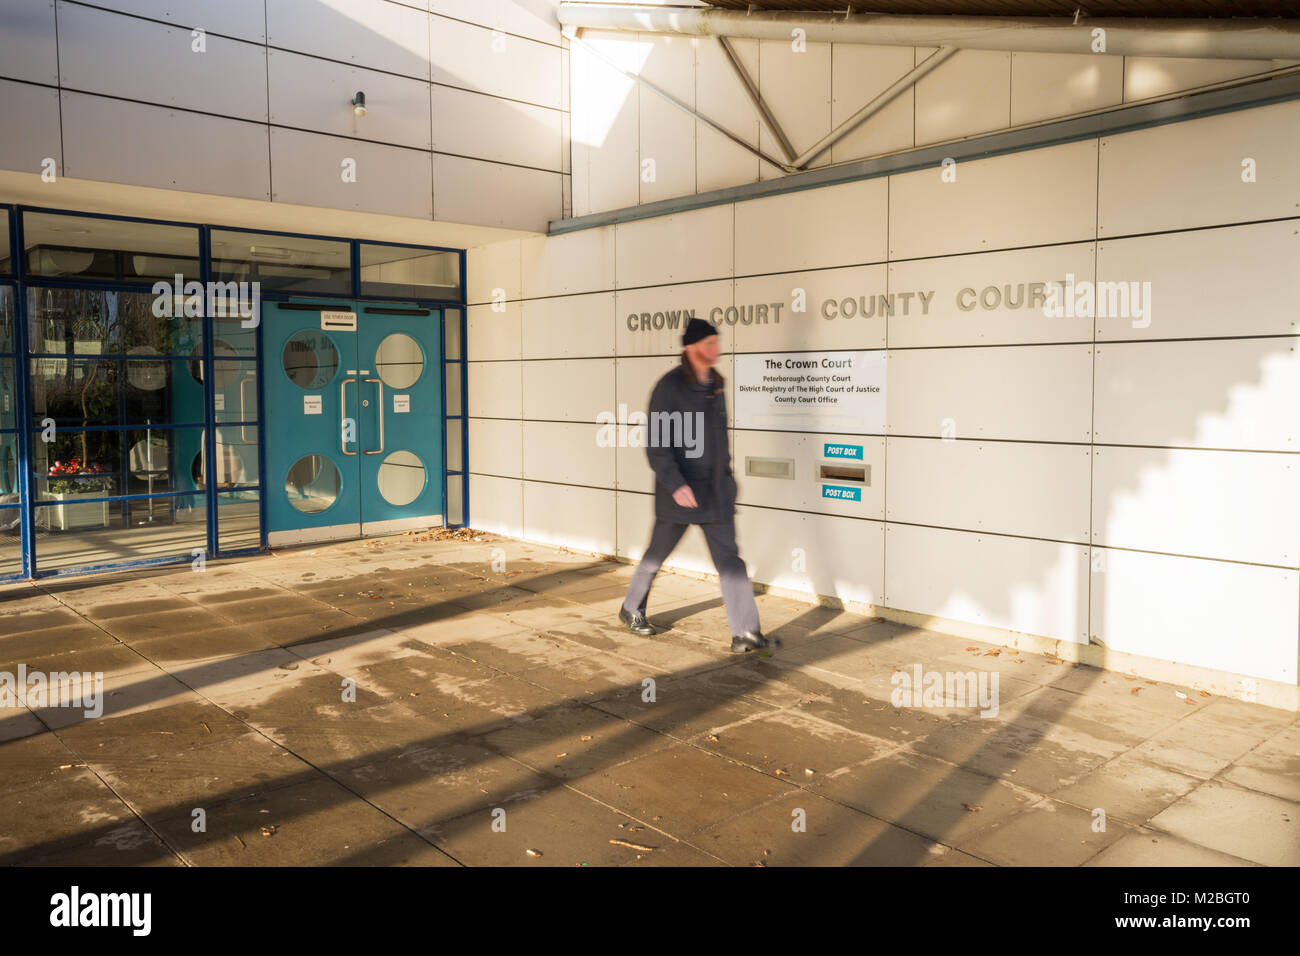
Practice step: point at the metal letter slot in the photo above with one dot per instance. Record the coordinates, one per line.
(839, 471)
(769, 467)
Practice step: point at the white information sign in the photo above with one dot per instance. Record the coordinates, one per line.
(401, 403)
(812, 391)
(311, 405)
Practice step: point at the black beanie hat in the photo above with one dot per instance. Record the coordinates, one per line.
(697, 329)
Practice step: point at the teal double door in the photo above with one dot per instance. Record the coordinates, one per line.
(354, 419)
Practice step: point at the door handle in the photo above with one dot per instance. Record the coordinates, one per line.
(380, 449)
(343, 415)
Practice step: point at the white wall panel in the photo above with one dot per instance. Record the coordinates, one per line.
(804, 491)
(567, 452)
(1237, 506)
(1147, 76)
(569, 326)
(667, 133)
(1045, 85)
(767, 541)
(373, 33)
(488, 127)
(797, 89)
(669, 307)
(496, 447)
(684, 247)
(315, 94)
(1239, 280)
(529, 18)
(813, 229)
(245, 19)
(495, 335)
(580, 518)
(1147, 176)
(1030, 393)
(576, 390)
(169, 149)
(968, 94)
(496, 505)
(473, 58)
(490, 194)
(635, 522)
(1020, 584)
(100, 51)
(576, 262)
(859, 73)
(492, 267)
(29, 128)
(1022, 488)
(308, 170)
(1020, 199)
(1234, 617)
(848, 560)
(822, 324)
(495, 389)
(636, 378)
(606, 129)
(719, 161)
(1239, 393)
(28, 49)
(987, 299)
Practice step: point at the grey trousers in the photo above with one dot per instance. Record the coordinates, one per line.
(737, 591)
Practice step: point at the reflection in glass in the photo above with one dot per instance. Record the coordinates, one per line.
(6, 319)
(401, 478)
(88, 248)
(282, 263)
(399, 272)
(239, 522)
(313, 484)
(11, 556)
(310, 359)
(94, 322)
(399, 360)
(86, 534)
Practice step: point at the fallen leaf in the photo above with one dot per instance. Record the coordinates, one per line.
(533, 852)
(632, 846)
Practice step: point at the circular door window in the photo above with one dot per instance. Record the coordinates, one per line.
(401, 478)
(313, 484)
(310, 359)
(399, 360)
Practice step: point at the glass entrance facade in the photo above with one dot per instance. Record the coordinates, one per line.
(133, 406)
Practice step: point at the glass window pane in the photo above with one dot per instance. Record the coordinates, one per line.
(90, 248)
(282, 263)
(6, 318)
(239, 523)
(11, 555)
(8, 396)
(95, 322)
(409, 273)
(237, 459)
(455, 500)
(72, 533)
(453, 370)
(8, 469)
(85, 392)
(133, 461)
(234, 390)
(454, 426)
(451, 332)
(6, 266)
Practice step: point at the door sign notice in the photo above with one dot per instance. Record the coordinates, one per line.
(311, 405)
(401, 403)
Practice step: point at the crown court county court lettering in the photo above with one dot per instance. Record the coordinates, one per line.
(1021, 295)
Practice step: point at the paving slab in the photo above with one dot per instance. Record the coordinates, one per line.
(1242, 823)
(1046, 834)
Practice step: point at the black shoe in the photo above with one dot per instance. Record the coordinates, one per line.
(636, 622)
(753, 641)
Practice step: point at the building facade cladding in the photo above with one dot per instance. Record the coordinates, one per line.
(467, 104)
(1128, 487)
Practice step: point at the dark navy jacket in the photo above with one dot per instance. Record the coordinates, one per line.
(709, 475)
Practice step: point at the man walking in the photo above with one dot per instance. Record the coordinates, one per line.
(688, 451)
